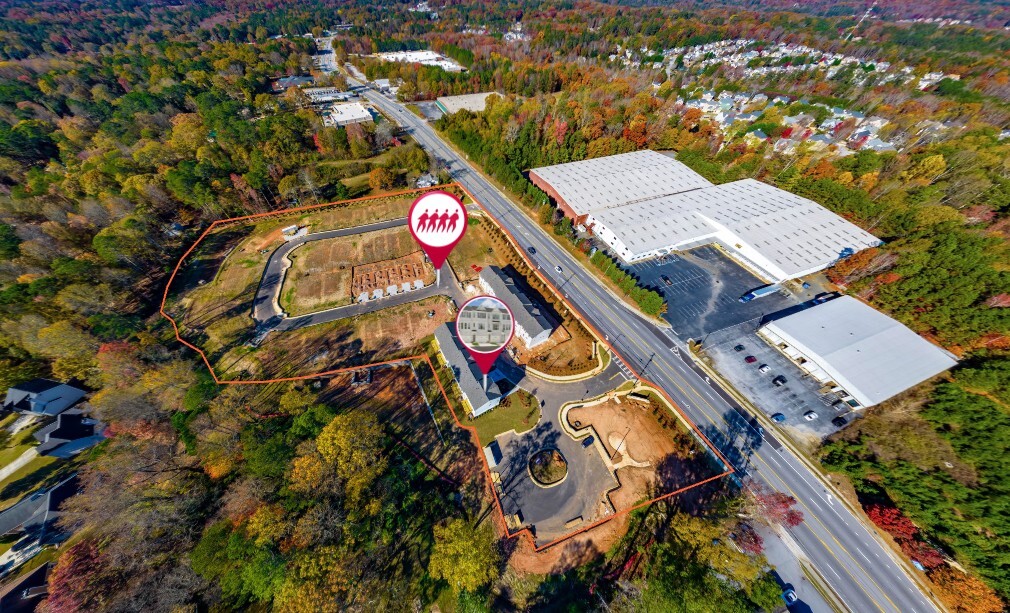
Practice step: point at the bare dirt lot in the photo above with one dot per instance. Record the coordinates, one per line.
(330, 272)
(653, 454)
(383, 335)
(212, 296)
(380, 275)
(562, 353)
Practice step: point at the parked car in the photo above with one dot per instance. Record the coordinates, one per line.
(739, 348)
(764, 368)
(531, 250)
(779, 381)
(789, 596)
(810, 415)
(839, 422)
(666, 279)
(778, 418)
(557, 268)
(750, 359)
(588, 442)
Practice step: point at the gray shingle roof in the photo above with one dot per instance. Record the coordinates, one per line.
(527, 312)
(468, 376)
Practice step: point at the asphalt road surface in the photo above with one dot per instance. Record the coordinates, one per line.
(850, 558)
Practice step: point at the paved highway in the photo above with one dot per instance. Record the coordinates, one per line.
(850, 558)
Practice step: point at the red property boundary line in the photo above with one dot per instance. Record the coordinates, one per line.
(525, 532)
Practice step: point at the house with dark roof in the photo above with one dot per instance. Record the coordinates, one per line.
(70, 433)
(38, 510)
(42, 397)
(469, 378)
(531, 322)
(23, 594)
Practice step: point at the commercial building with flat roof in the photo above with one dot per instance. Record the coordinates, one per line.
(470, 102)
(531, 324)
(469, 378)
(348, 113)
(863, 355)
(645, 204)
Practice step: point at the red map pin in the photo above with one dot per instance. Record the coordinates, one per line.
(437, 221)
(484, 327)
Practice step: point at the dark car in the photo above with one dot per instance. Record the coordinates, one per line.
(839, 422)
(779, 381)
(750, 359)
(531, 250)
(666, 279)
(739, 348)
(587, 442)
(778, 418)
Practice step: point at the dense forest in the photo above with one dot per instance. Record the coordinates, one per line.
(119, 120)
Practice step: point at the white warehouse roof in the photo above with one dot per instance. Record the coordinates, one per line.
(471, 102)
(643, 202)
(793, 234)
(618, 180)
(870, 355)
(350, 112)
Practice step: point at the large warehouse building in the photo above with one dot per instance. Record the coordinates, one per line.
(644, 204)
(862, 355)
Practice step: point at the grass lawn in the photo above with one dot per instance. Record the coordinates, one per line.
(519, 411)
(27, 478)
(475, 248)
(10, 454)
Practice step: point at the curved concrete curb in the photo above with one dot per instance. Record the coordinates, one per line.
(589, 374)
(541, 484)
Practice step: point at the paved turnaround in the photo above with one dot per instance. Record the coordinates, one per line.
(850, 558)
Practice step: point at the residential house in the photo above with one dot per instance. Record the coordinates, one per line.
(42, 397)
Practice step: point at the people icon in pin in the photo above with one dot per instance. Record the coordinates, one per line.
(437, 221)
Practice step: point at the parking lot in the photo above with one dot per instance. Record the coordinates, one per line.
(430, 110)
(795, 398)
(704, 290)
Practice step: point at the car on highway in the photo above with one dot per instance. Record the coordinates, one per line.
(739, 348)
(778, 418)
(810, 415)
(531, 250)
(779, 381)
(557, 268)
(750, 359)
(764, 368)
(839, 422)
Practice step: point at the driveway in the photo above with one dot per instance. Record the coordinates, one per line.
(704, 290)
(553, 512)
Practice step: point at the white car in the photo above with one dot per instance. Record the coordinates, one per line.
(557, 268)
(810, 416)
(764, 368)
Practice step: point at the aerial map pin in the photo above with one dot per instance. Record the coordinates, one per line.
(437, 221)
(484, 327)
